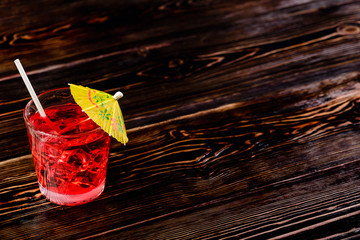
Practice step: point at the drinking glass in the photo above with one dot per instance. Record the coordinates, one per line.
(70, 152)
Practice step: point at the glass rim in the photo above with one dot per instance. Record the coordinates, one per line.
(28, 123)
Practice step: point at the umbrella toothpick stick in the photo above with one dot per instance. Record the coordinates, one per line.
(118, 95)
(30, 88)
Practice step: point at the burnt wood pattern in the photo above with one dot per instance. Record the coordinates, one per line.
(243, 117)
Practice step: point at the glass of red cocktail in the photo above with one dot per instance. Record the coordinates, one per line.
(70, 151)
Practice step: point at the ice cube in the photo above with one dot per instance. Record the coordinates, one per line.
(52, 153)
(66, 154)
(75, 161)
(78, 160)
(96, 155)
(87, 125)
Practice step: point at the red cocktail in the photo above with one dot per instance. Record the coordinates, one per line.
(70, 151)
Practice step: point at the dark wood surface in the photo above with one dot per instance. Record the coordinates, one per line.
(243, 117)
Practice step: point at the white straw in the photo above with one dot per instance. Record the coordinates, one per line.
(30, 88)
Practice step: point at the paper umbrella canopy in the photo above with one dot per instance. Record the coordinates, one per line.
(103, 109)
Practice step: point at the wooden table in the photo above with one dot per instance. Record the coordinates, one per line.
(243, 117)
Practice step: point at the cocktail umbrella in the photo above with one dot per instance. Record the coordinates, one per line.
(103, 109)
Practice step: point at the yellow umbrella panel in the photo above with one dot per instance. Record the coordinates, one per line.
(103, 109)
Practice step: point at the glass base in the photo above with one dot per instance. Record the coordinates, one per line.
(72, 199)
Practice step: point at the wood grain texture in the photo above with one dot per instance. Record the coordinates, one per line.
(243, 117)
